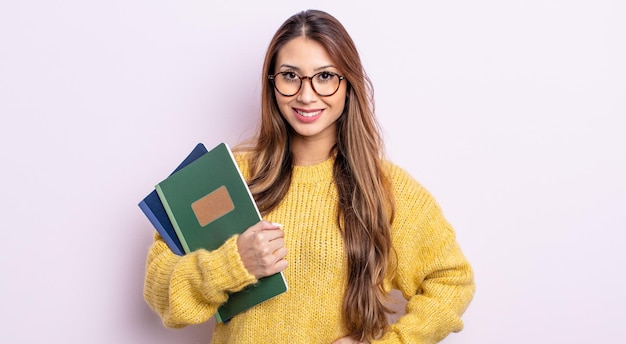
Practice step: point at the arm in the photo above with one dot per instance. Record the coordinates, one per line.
(432, 272)
(189, 289)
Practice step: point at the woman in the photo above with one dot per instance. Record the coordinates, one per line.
(354, 226)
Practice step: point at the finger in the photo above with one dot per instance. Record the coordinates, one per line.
(277, 243)
(265, 224)
(273, 234)
(260, 230)
(280, 253)
(262, 239)
(281, 265)
(273, 247)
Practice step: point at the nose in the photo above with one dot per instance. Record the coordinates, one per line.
(307, 94)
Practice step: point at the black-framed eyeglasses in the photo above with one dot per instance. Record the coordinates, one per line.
(325, 84)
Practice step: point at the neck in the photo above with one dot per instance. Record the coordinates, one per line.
(310, 152)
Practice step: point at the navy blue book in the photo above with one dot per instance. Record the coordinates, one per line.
(154, 210)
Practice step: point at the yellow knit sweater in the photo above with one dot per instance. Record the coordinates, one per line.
(432, 273)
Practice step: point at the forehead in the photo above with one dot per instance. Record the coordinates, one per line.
(303, 53)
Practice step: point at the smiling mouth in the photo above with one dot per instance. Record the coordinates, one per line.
(308, 113)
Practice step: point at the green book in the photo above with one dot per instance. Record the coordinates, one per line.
(208, 201)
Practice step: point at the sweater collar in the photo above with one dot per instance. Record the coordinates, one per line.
(322, 171)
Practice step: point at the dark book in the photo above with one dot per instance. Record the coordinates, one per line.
(155, 212)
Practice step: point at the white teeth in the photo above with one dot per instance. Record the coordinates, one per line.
(309, 114)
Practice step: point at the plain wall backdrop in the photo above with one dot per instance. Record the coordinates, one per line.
(512, 113)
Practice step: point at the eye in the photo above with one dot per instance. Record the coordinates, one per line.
(325, 76)
(290, 76)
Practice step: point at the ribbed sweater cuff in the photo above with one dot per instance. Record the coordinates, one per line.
(227, 270)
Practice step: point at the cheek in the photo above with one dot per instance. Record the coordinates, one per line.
(341, 102)
(341, 106)
(282, 104)
(343, 97)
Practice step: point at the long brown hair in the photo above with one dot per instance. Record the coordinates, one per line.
(365, 202)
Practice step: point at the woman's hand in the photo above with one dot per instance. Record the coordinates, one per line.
(348, 340)
(262, 249)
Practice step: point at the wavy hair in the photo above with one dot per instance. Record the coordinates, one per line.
(365, 203)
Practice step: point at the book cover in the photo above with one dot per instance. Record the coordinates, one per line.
(155, 212)
(208, 201)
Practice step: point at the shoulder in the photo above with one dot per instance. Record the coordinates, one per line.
(403, 183)
(415, 206)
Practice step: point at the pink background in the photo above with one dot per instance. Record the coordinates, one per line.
(511, 112)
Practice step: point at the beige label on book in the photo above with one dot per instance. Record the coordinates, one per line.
(213, 206)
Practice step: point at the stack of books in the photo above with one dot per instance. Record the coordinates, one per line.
(203, 203)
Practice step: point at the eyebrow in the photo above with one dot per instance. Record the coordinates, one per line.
(298, 69)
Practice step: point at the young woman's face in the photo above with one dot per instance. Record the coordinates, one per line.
(313, 117)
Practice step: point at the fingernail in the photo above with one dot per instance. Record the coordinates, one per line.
(277, 224)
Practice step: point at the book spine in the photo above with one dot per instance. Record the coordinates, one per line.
(218, 317)
(170, 214)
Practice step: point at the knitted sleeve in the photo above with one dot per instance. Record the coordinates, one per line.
(432, 272)
(189, 289)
